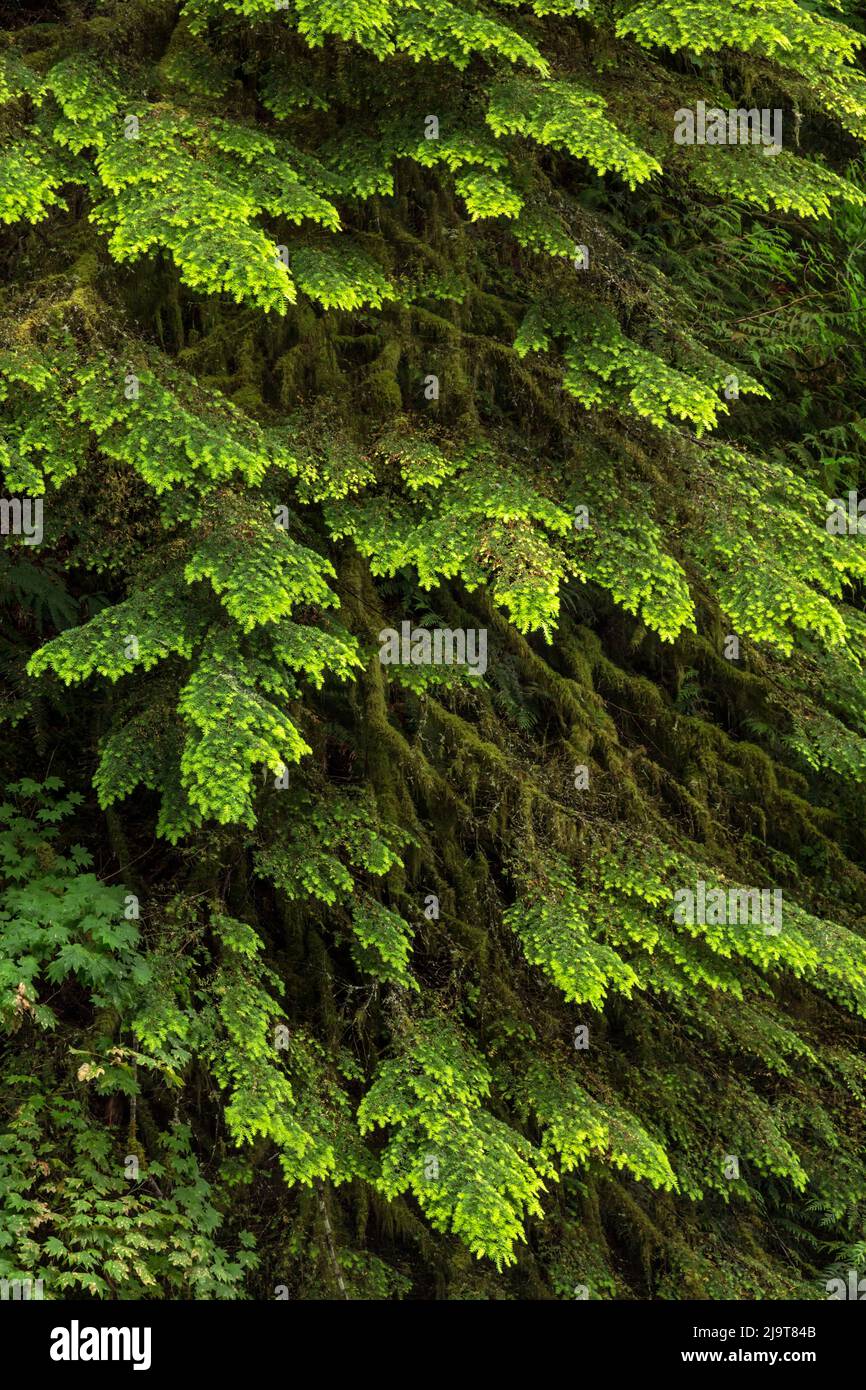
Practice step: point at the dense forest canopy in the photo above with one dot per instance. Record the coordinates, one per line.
(339, 338)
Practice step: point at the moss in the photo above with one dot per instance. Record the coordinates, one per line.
(484, 784)
(377, 391)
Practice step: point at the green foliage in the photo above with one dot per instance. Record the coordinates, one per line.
(784, 182)
(572, 118)
(328, 842)
(33, 174)
(71, 1217)
(481, 523)
(57, 919)
(297, 1106)
(551, 924)
(781, 30)
(298, 342)
(382, 943)
(471, 1173)
(574, 1126)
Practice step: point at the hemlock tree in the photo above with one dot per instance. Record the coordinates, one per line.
(343, 978)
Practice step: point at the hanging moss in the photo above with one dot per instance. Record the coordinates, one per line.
(381, 961)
